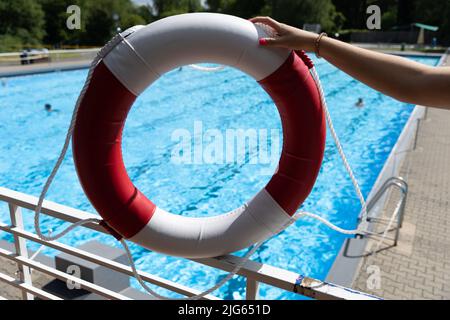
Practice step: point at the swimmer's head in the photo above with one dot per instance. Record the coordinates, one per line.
(360, 102)
(48, 107)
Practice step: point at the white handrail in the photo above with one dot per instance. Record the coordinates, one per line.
(254, 272)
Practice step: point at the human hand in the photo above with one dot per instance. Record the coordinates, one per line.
(286, 36)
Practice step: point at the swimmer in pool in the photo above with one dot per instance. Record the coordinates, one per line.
(49, 108)
(360, 103)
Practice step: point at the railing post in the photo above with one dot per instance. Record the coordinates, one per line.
(21, 248)
(252, 290)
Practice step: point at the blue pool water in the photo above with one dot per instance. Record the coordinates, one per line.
(31, 138)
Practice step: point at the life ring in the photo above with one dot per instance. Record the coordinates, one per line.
(135, 63)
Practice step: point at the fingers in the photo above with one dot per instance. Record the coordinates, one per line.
(269, 21)
(270, 42)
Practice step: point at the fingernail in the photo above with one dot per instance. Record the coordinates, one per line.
(263, 42)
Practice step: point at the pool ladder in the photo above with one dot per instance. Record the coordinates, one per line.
(402, 186)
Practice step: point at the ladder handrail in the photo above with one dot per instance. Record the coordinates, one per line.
(402, 185)
(399, 182)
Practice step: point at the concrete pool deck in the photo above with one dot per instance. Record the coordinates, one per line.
(419, 267)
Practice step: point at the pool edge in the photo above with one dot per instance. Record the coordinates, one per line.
(345, 269)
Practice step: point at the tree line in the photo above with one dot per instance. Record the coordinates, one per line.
(43, 22)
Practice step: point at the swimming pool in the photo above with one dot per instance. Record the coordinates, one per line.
(184, 101)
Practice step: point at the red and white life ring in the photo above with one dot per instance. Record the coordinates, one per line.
(134, 64)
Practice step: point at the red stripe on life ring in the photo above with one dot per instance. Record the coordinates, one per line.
(97, 154)
(295, 93)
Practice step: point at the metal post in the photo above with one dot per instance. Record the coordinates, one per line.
(21, 249)
(252, 290)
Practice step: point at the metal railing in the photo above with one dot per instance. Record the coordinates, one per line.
(254, 272)
(402, 186)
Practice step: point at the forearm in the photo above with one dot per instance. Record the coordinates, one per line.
(403, 79)
(397, 77)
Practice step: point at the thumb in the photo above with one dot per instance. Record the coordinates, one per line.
(269, 42)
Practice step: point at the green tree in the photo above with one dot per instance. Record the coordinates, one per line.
(100, 20)
(294, 12)
(214, 5)
(56, 16)
(354, 12)
(100, 26)
(297, 13)
(405, 11)
(245, 9)
(165, 8)
(389, 19)
(356, 15)
(21, 24)
(146, 12)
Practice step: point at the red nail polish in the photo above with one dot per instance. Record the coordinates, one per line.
(262, 42)
(306, 60)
